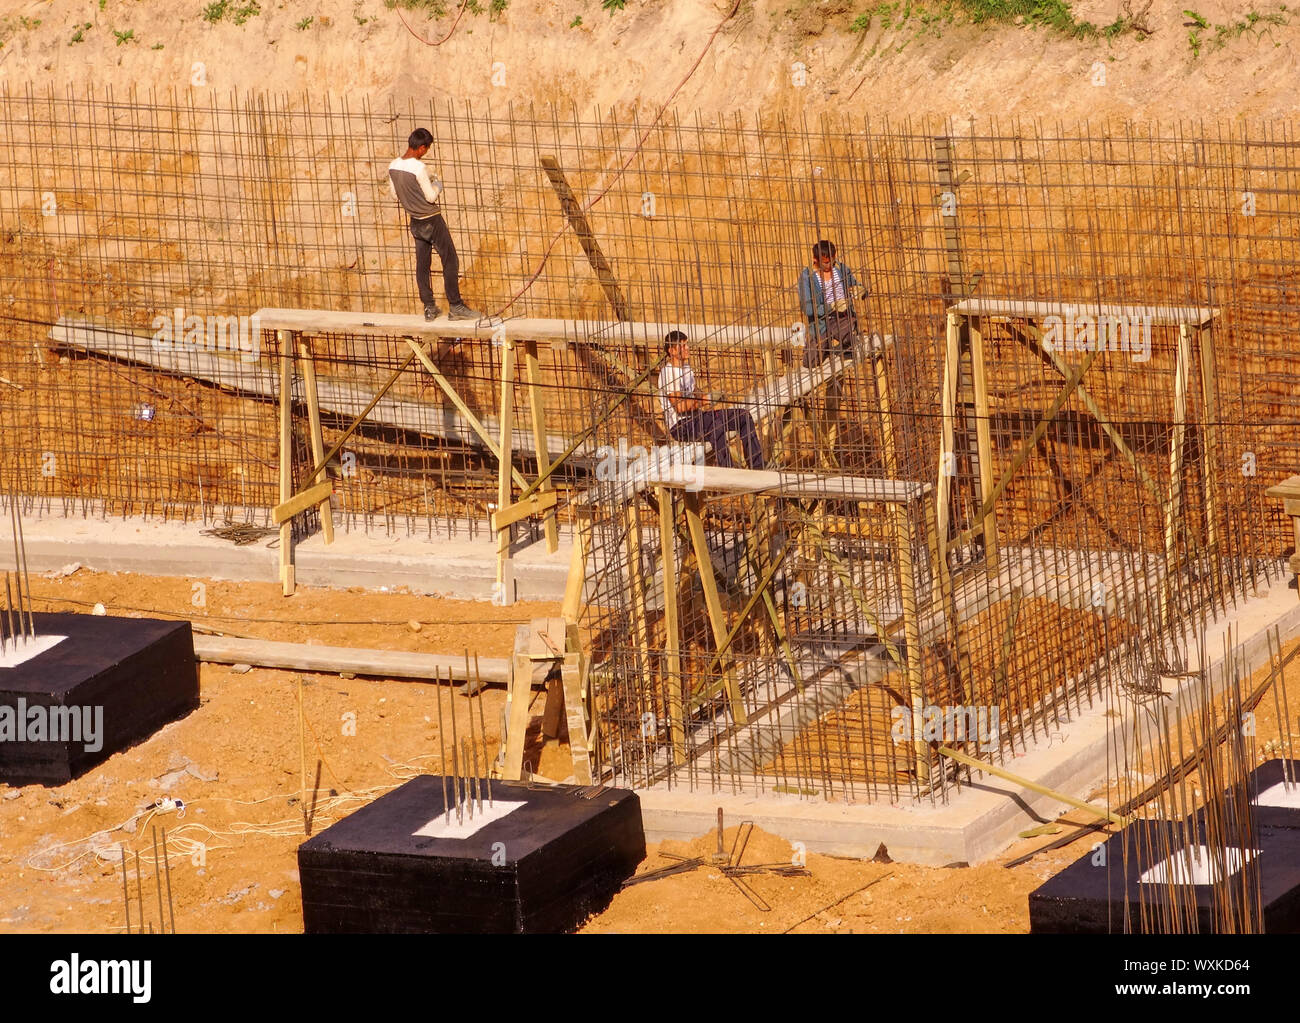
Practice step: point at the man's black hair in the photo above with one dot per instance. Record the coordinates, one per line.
(824, 248)
(420, 137)
(673, 337)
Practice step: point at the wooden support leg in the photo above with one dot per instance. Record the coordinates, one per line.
(947, 452)
(912, 634)
(517, 699)
(537, 408)
(943, 599)
(573, 676)
(1210, 448)
(636, 585)
(1173, 505)
(285, 338)
(885, 397)
(577, 578)
(554, 708)
(317, 436)
(983, 441)
(672, 673)
(717, 620)
(505, 585)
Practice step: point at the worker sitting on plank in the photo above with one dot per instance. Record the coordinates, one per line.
(826, 291)
(410, 185)
(690, 417)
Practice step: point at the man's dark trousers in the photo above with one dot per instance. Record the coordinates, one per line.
(713, 425)
(429, 234)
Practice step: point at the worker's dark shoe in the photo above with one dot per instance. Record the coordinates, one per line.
(431, 312)
(460, 311)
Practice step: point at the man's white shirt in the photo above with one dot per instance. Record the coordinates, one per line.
(674, 380)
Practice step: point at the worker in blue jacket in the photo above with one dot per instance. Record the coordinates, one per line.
(826, 293)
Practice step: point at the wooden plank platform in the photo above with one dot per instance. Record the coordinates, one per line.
(1160, 315)
(780, 393)
(712, 479)
(258, 378)
(593, 332)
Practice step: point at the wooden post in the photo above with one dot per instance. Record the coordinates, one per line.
(537, 408)
(317, 436)
(983, 440)
(1173, 505)
(576, 581)
(636, 584)
(672, 673)
(474, 422)
(586, 237)
(505, 585)
(947, 452)
(573, 677)
(886, 398)
(942, 597)
(517, 699)
(285, 339)
(1210, 447)
(717, 620)
(912, 635)
(1091, 405)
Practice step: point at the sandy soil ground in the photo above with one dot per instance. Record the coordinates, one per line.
(235, 763)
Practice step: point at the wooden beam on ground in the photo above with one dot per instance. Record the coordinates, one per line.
(265, 653)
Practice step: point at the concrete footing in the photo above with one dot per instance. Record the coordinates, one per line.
(460, 568)
(979, 820)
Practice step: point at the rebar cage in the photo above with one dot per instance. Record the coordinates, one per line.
(1041, 444)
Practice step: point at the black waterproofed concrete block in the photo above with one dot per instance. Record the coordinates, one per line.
(1089, 898)
(543, 868)
(123, 678)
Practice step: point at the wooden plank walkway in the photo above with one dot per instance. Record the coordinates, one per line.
(592, 332)
(254, 377)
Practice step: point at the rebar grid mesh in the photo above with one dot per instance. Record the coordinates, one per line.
(117, 211)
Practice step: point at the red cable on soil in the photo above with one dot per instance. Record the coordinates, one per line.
(429, 42)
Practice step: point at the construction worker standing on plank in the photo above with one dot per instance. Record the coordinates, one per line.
(410, 185)
(826, 291)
